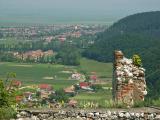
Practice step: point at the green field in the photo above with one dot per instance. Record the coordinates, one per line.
(102, 98)
(101, 95)
(101, 69)
(41, 73)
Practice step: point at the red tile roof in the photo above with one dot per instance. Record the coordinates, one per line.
(93, 77)
(84, 84)
(19, 98)
(45, 87)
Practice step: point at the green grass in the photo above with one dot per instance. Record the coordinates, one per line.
(35, 73)
(32, 74)
(101, 95)
(101, 99)
(102, 69)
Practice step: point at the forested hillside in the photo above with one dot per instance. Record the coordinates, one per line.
(135, 34)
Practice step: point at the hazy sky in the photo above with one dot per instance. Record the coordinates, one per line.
(89, 9)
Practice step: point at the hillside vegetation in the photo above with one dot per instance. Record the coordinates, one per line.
(135, 34)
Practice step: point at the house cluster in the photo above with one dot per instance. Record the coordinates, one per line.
(85, 86)
(34, 55)
(75, 32)
(78, 76)
(43, 92)
(85, 83)
(32, 98)
(63, 37)
(47, 33)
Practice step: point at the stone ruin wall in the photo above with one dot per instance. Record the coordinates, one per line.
(77, 114)
(129, 83)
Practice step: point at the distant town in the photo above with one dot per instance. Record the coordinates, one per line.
(55, 54)
(50, 32)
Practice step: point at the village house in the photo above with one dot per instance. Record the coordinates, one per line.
(48, 53)
(93, 78)
(45, 90)
(78, 76)
(76, 34)
(85, 86)
(28, 96)
(33, 55)
(70, 90)
(45, 87)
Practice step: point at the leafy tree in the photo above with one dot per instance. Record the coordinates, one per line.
(69, 55)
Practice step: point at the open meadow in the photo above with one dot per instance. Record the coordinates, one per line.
(58, 75)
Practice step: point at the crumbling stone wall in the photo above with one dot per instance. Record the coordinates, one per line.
(99, 114)
(129, 83)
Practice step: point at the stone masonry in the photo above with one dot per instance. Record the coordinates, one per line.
(129, 85)
(90, 114)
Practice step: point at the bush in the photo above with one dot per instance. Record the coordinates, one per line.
(137, 60)
(6, 101)
(59, 96)
(6, 113)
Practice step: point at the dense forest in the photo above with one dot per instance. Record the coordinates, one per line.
(135, 34)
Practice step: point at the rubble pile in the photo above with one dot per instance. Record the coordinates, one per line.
(129, 83)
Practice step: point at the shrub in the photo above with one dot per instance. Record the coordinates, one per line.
(6, 101)
(59, 96)
(137, 60)
(6, 113)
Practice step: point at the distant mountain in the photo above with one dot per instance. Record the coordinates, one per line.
(135, 34)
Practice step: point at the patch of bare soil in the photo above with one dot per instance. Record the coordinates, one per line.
(66, 71)
(48, 78)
